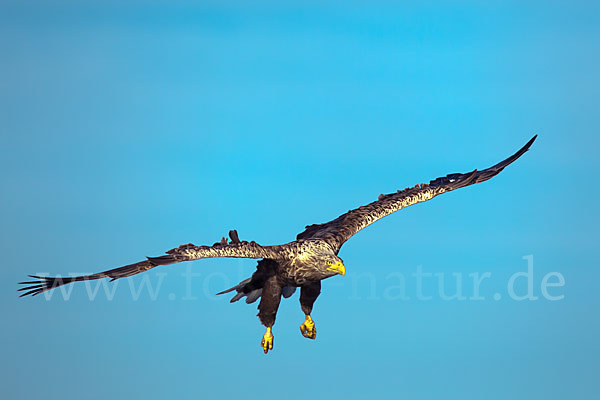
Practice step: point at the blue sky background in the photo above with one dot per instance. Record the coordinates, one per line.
(127, 130)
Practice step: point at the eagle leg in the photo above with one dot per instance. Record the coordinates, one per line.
(308, 295)
(267, 309)
(308, 329)
(267, 341)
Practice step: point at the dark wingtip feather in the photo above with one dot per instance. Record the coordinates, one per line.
(33, 293)
(43, 284)
(49, 282)
(514, 157)
(489, 173)
(30, 287)
(455, 181)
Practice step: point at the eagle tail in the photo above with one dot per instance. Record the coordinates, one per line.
(243, 289)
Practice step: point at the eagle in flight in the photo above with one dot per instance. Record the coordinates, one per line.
(303, 263)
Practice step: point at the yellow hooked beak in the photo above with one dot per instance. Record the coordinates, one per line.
(338, 268)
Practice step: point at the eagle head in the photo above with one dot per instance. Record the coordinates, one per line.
(334, 264)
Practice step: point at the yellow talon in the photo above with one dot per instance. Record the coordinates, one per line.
(267, 341)
(308, 329)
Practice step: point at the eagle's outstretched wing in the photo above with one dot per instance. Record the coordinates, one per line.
(186, 252)
(339, 230)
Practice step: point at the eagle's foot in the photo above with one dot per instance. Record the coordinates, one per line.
(308, 329)
(267, 341)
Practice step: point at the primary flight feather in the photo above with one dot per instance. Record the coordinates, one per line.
(302, 263)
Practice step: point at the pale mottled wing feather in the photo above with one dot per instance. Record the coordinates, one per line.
(187, 252)
(339, 230)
